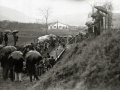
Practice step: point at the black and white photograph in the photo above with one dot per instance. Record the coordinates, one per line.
(59, 45)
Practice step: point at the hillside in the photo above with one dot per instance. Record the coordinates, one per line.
(14, 15)
(92, 65)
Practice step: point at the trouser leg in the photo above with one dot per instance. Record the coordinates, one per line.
(35, 75)
(20, 76)
(30, 77)
(14, 43)
(11, 74)
(16, 76)
(6, 73)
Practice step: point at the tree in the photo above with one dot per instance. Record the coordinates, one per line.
(45, 13)
(109, 7)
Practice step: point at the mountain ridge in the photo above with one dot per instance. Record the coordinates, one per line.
(14, 15)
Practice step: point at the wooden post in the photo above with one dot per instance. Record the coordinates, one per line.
(34, 40)
(106, 22)
(56, 53)
(75, 39)
(93, 29)
(67, 40)
(100, 27)
(103, 23)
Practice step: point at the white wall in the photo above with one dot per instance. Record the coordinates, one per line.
(59, 26)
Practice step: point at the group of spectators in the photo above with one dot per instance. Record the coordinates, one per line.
(30, 68)
(4, 38)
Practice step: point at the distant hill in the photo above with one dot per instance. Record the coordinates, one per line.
(14, 15)
(4, 18)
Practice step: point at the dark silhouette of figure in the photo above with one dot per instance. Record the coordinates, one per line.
(15, 38)
(6, 39)
(52, 61)
(48, 55)
(5, 64)
(18, 65)
(1, 37)
(31, 69)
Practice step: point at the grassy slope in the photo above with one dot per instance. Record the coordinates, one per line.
(94, 64)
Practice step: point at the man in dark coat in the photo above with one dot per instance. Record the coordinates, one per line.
(1, 37)
(15, 38)
(52, 61)
(31, 69)
(18, 66)
(5, 65)
(6, 39)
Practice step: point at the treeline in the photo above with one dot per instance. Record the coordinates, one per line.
(5, 24)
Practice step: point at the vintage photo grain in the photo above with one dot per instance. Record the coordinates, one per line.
(59, 45)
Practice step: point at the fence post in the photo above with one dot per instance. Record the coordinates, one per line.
(100, 27)
(93, 29)
(34, 40)
(103, 24)
(67, 40)
(75, 39)
(56, 52)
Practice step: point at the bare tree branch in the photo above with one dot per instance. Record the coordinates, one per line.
(45, 13)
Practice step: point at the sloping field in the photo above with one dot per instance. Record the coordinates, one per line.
(92, 65)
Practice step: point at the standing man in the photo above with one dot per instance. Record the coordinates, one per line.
(31, 67)
(1, 37)
(6, 39)
(15, 38)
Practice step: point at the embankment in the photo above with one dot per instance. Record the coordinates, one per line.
(93, 64)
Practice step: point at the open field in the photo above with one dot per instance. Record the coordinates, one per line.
(31, 35)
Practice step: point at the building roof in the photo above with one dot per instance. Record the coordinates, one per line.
(53, 23)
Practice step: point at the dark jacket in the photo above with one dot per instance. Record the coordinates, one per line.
(30, 66)
(5, 37)
(18, 65)
(4, 60)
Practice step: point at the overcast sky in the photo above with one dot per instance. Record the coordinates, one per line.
(58, 7)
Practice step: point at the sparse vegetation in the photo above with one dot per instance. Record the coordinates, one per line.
(98, 65)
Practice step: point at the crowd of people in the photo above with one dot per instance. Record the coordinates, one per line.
(14, 67)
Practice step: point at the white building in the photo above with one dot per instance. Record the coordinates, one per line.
(58, 25)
